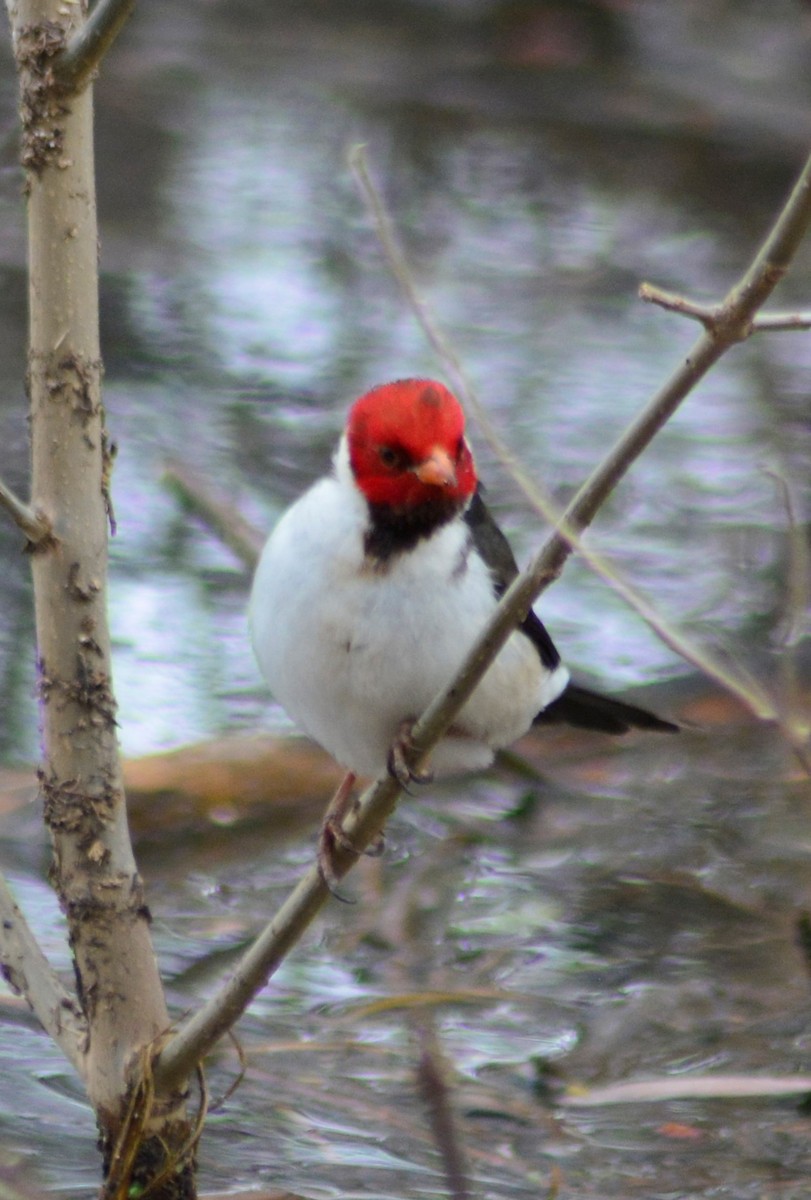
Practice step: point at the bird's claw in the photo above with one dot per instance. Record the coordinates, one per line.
(397, 762)
(332, 839)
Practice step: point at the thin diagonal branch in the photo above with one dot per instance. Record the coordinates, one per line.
(731, 322)
(203, 1030)
(221, 517)
(30, 975)
(35, 525)
(85, 50)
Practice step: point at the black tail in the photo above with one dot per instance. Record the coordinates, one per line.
(588, 710)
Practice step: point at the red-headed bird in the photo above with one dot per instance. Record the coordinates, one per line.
(374, 584)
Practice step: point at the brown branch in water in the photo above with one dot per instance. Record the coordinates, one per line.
(712, 316)
(35, 525)
(76, 63)
(199, 1034)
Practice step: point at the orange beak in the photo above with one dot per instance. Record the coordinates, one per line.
(437, 469)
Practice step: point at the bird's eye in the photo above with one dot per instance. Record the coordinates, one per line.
(460, 446)
(390, 457)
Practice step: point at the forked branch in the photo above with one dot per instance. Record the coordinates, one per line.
(712, 316)
(75, 65)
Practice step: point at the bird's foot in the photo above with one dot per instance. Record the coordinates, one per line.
(332, 839)
(400, 751)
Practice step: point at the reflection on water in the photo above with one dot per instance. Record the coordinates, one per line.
(642, 916)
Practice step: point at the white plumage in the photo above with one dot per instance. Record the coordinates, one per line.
(352, 648)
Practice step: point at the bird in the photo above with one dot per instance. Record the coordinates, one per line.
(374, 584)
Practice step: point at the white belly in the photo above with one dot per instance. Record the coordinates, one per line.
(352, 652)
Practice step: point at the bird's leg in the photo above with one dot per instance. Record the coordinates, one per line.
(332, 835)
(397, 762)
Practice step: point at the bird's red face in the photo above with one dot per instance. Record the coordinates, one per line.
(407, 446)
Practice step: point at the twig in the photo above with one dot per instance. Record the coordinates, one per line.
(781, 322)
(221, 517)
(730, 319)
(35, 525)
(30, 975)
(397, 264)
(85, 50)
(711, 316)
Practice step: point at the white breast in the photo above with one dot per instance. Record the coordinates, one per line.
(351, 652)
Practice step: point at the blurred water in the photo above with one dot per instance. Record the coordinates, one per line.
(245, 303)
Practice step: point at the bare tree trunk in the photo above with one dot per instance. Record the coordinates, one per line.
(94, 872)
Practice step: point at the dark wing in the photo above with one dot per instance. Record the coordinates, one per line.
(498, 557)
(575, 705)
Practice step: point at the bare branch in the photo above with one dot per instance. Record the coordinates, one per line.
(730, 321)
(74, 66)
(399, 268)
(203, 1030)
(221, 517)
(35, 525)
(711, 316)
(199, 1034)
(30, 975)
(652, 294)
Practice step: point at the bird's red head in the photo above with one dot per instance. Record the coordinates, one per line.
(407, 446)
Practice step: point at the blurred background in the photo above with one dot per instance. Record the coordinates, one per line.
(540, 160)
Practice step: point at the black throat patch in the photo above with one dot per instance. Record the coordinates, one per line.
(392, 531)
